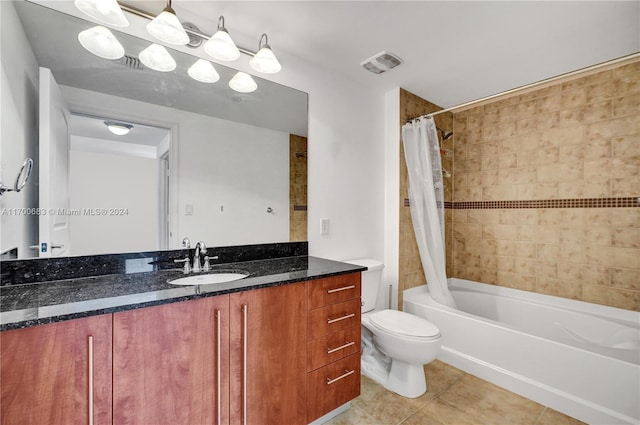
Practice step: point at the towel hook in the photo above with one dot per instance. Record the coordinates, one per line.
(21, 179)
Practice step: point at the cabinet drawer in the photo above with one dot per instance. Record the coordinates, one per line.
(331, 290)
(333, 318)
(332, 386)
(335, 346)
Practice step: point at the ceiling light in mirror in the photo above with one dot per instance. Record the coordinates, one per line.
(203, 71)
(118, 128)
(243, 83)
(101, 42)
(157, 58)
(220, 46)
(106, 12)
(166, 27)
(265, 61)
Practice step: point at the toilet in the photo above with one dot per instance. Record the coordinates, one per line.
(395, 345)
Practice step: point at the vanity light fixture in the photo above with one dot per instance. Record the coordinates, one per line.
(101, 42)
(203, 71)
(157, 58)
(220, 46)
(118, 128)
(265, 61)
(243, 83)
(107, 12)
(166, 27)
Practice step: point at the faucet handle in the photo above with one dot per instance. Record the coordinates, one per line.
(187, 265)
(206, 267)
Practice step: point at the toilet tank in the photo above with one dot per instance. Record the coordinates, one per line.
(371, 280)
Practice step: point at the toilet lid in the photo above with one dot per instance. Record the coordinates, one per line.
(399, 322)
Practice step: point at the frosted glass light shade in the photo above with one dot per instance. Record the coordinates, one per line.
(118, 128)
(220, 46)
(203, 71)
(101, 42)
(166, 27)
(265, 61)
(243, 83)
(106, 12)
(157, 58)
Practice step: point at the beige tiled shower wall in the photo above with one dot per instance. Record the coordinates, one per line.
(576, 139)
(297, 188)
(411, 273)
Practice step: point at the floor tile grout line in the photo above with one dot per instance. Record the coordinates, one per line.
(540, 415)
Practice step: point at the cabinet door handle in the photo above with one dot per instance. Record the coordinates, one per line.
(219, 391)
(337, 319)
(245, 315)
(344, 375)
(342, 347)
(344, 288)
(90, 389)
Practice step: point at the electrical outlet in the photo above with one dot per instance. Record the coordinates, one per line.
(324, 226)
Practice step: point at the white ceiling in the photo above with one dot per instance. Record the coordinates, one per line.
(453, 51)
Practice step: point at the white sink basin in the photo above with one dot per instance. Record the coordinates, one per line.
(207, 279)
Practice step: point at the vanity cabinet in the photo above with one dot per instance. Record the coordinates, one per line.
(58, 373)
(236, 359)
(171, 363)
(283, 354)
(268, 351)
(333, 343)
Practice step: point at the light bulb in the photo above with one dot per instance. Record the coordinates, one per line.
(106, 12)
(101, 42)
(243, 83)
(203, 71)
(157, 58)
(166, 27)
(220, 46)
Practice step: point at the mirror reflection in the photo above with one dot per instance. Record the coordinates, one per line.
(130, 159)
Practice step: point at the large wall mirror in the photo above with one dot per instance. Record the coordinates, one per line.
(200, 160)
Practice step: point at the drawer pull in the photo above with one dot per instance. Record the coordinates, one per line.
(344, 375)
(90, 341)
(342, 347)
(344, 288)
(348, 316)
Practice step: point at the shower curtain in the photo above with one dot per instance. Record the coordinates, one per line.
(426, 197)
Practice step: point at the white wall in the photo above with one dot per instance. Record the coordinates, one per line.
(19, 131)
(105, 180)
(230, 174)
(392, 193)
(346, 176)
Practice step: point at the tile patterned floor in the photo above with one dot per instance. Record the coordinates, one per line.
(453, 397)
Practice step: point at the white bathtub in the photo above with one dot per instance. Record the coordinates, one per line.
(579, 358)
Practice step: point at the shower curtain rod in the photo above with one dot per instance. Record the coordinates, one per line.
(537, 83)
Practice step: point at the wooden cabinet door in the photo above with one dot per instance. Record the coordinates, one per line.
(171, 362)
(268, 351)
(58, 373)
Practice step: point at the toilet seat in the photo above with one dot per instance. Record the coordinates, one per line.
(404, 324)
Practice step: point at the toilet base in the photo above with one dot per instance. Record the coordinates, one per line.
(406, 379)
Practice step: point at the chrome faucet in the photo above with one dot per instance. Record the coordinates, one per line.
(200, 248)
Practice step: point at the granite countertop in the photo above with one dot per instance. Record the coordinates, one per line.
(33, 304)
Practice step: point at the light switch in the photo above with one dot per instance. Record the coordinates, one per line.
(188, 209)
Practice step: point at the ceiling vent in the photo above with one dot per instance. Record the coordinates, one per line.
(381, 62)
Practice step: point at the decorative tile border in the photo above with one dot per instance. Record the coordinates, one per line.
(628, 202)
